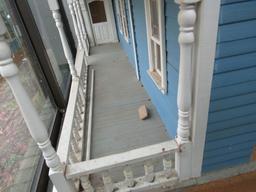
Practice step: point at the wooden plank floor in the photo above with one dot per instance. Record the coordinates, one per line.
(117, 97)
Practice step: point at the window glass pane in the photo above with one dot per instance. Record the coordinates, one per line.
(153, 53)
(158, 58)
(154, 18)
(19, 155)
(97, 10)
(51, 39)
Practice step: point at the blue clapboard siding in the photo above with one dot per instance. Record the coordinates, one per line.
(166, 104)
(231, 131)
(126, 46)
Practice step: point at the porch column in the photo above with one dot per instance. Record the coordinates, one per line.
(186, 20)
(54, 7)
(37, 129)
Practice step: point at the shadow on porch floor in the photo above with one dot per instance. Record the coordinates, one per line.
(117, 97)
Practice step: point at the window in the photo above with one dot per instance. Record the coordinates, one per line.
(156, 42)
(122, 20)
(98, 13)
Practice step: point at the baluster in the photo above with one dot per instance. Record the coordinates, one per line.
(128, 174)
(108, 184)
(36, 127)
(186, 20)
(72, 12)
(168, 165)
(72, 156)
(83, 30)
(78, 115)
(76, 134)
(54, 7)
(74, 144)
(86, 184)
(79, 25)
(77, 125)
(149, 172)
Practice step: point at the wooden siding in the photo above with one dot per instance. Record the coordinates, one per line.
(126, 46)
(231, 132)
(166, 104)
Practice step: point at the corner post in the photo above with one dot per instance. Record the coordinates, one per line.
(54, 7)
(37, 129)
(186, 20)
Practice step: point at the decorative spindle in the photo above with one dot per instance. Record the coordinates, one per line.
(79, 25)
(128, 174)
(54, 7)
(37, 129)
(149, 172)
(72, 156)
(168, 166)
(72, 12)
(186, 20)
(86, 184)
(74, 144)
(108, 184)
(76, 134)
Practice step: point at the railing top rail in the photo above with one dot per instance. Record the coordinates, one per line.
(121, 159)
(66, 131)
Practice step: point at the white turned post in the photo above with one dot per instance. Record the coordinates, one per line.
(79, 24)
(87, 22)
(107, 180)
(72, 12)
(86, 184)
(37, 129)
(54, 7)
(149, 172)
(186, 20)
(83, 30)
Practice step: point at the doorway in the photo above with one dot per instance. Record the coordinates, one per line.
(102, 19)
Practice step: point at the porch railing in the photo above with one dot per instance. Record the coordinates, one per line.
(66, 166)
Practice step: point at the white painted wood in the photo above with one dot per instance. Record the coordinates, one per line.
(186, 19)
(108, 184)
(72, 12)
(54, 7)
(89, 132)
(133, 40)
(161, 42)
(105, 32)
(204, 65)
(87, 21)
(128, 174)
(168, 165)
(121, 159)
(37, 129)
(149, 171)
(86, 184)
(68, 123)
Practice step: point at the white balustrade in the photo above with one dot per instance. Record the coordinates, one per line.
(54, 7)
(145, 155)
(186, 19)
(37, 129)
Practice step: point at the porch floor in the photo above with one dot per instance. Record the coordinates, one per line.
(117, 97)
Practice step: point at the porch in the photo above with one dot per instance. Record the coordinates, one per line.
(116, 126)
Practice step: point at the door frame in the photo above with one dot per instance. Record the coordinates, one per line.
(110, 15)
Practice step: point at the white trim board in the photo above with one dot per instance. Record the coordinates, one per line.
(206, 38)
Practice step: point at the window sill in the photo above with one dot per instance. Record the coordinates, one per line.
(157, 80)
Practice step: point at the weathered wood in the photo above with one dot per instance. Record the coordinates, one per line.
(143, 112)
(149, 171)
(121, 159)
(108, 184)
(128, 174)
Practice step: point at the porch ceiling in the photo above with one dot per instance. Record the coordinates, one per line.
(117, 97)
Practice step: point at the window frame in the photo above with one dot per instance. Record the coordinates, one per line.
(122, 18)
(157, 75)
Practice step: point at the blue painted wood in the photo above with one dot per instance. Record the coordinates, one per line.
(126, 46)
(236, 12)
(233, 90)
(240, 121)
(231, 131)
(229, 149)
(235, 62)
(237, 47)
(231, 102)
(235, 31)
(166, 104)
